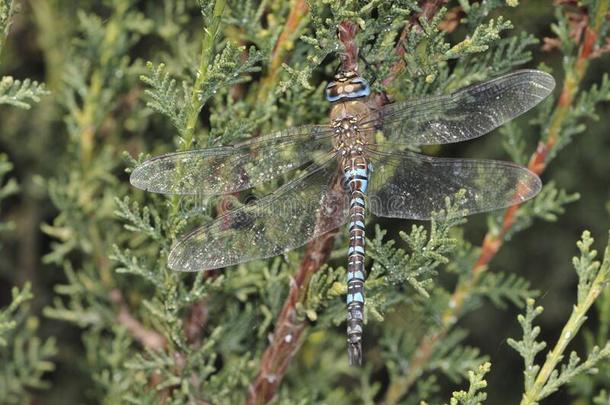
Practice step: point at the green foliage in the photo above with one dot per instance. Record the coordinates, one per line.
(6, 324)
(427, 253)
(587, 385)
(477, 383)
(8, 187)
(548, 205)
(16, 92)
(542, 381)
(503, 288)
(6, 12)
(454, 359)
(24, 356)
(20, 94)
(583, 107)
(165, 98)
(566, 120)
(528, 347)
(135, 78)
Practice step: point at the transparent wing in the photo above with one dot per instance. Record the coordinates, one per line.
(232, 168)
(409, 185)
(297, 212)
(468, 113)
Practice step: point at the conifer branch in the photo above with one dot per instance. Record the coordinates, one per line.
(286, 337)
(88, 118)
(428, 9)
(6, 12)
(289, 326)
(7, 189)
(540, 382)
(284, 43)
(493, 241)
(147, 337)
(210, 35)
(19, 93)
(7, 324)
(14, 92)
(475, 395)
(26, 358)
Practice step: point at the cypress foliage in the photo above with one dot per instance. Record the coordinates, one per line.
(131, 79)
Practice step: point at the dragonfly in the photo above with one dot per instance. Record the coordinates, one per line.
(362, 159)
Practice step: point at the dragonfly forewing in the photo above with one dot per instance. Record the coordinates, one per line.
(307, 207)
(466, 114)
(233, 168)
(412, 186)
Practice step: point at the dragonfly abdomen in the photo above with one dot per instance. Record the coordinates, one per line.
(355, 179)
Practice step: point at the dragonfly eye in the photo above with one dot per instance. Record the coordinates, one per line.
(334, 91)
(355, 88)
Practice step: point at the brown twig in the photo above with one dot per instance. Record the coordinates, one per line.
(286, 337)
(196, 319)
(492, 242)
(346, 32)
(428, 10)
(147, 337)
(289, 327)
(284, 43)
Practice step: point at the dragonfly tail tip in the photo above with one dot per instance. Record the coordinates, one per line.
(354, 352)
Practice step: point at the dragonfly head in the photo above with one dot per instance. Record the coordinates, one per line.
(347, 84)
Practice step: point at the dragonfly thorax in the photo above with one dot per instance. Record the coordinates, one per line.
(349, 138)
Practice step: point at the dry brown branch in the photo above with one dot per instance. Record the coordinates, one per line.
(286, 337)
(288, 328)
(195, 322)
(146, 337)
(429, 9)
(298, 11)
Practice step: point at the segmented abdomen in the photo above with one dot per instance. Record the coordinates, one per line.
(355, 179)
